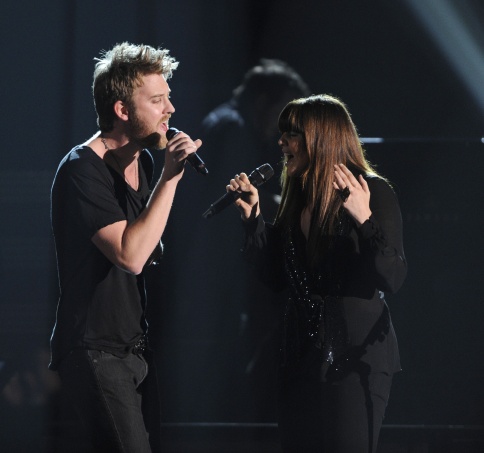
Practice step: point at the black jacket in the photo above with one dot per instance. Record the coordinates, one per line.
(339, 308)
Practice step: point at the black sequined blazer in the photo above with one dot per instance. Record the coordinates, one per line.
(339, 309)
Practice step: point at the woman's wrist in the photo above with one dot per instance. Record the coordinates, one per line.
(363, 218)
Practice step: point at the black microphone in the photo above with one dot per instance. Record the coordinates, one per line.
(194, 159)
(258, 177)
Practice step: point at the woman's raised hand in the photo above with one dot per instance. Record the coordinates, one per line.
(248, 203)
(355, 193)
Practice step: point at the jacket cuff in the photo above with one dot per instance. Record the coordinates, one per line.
(255, 226)
(368, 228)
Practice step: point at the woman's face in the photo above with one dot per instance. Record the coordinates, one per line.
(296, 157)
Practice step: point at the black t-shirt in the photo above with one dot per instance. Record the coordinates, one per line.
(100, 306)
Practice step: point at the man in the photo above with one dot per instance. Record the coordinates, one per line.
(107, 227)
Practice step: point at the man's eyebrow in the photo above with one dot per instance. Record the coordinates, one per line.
(159, 95)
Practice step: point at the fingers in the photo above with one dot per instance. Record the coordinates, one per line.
(240, 183)
(345, 177)
(354, 192)
(247, 200)
(363, 183)
(182, 145)
(346, 183)
(233, 186)
(340, 179)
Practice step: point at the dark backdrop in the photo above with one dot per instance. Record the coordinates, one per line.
(399, 85)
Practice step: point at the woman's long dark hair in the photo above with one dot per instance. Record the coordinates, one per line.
(330, 138)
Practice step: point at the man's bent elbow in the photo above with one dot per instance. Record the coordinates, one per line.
(134, 267)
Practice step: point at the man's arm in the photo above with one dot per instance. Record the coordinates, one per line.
(129, 246)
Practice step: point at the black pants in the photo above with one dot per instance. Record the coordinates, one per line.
(344, 416)
(110, 395)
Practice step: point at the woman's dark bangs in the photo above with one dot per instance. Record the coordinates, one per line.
(283, 123)
(288, 120)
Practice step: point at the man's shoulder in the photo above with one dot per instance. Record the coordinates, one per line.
(81, 156)
(80, 162)
(80, 153)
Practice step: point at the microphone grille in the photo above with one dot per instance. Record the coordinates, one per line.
(261, 174)
(170, 133)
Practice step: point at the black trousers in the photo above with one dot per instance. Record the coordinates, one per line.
(343, 416)
(116, 399)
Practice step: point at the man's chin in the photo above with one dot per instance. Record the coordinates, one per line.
(154, 140)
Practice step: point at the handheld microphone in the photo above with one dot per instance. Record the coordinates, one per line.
(258, 177)
(194, 159)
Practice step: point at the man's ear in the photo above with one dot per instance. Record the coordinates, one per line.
(121, 110)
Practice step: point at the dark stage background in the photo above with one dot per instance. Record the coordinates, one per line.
(411, 73)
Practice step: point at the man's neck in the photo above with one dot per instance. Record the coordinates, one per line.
(117, 144)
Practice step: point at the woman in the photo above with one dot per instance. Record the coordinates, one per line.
(336, 243)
